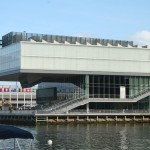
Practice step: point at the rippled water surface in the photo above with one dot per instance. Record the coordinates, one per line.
(91, 137)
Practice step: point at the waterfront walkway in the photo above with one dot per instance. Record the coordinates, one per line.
(41, 116)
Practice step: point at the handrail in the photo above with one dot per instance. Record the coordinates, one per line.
(99, 111)
(18, 112)
(65, 103)
(75, 101)
(140, 93)
(78, 111)
(120, 111)
(62, 106)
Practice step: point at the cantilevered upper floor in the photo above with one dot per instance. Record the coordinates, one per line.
(54, 57)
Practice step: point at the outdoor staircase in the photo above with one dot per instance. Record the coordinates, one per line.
(65, 106)
(62, 105)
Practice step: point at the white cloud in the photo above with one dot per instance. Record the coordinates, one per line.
(141, 38)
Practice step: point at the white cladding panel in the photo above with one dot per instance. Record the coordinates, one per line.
(65, 57)
(122, 92)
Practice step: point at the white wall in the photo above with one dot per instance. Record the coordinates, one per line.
(46, 56)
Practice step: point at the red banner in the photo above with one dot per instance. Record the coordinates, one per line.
(28, 90)
(1, 89)
(6, 89)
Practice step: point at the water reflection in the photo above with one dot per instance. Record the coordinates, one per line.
(123, 138)
(94, 136)
(91, 137)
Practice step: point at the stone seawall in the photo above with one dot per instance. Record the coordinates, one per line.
(72, 118)
(90, 118)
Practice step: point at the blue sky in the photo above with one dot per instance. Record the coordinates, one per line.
(110, 19)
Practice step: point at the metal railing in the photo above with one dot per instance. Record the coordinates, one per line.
(108, 111)
(140, 93)
(18, 112)
(65, 103)
(62, 106)
(98, 111)
(144, 94)
(78, 111)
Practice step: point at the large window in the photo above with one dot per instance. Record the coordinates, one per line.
(109, 86)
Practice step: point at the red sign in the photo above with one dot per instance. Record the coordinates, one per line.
(28, 90)
(0, 89)
(6, 89)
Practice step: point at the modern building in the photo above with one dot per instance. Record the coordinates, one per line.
(93, 74)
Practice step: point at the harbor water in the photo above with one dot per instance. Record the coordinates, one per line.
(89, 137)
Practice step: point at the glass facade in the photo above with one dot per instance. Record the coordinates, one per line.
(10, 58)
(109, 86)
(70, 88)
(143, 104)
(104, 86)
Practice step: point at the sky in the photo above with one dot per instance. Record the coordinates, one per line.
(108, 19)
